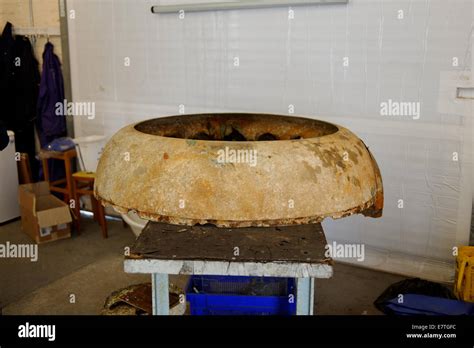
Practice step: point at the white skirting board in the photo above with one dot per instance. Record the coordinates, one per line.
(406, 265)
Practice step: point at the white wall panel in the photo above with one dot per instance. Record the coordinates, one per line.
(300, 62)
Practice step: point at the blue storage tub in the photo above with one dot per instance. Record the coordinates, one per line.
(237, 295)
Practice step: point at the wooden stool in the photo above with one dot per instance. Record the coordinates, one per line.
(83, 184)
(56, 186)
(24, 169)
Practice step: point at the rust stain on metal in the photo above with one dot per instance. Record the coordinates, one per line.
(303, 171)
(135, 300)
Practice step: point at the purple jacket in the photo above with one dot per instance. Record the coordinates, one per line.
(50, 126)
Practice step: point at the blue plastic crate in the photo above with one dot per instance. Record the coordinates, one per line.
(232, 295)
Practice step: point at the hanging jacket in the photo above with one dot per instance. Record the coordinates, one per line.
(19, 83)
(50, 125)
(4, 138)
(19, 79)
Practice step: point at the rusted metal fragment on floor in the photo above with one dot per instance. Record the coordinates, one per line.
(134, 300)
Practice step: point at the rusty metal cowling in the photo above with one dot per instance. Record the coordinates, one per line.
(168, 169)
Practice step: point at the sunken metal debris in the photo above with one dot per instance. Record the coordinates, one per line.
(239, 170)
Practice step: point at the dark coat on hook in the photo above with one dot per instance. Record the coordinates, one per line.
(19, 85)
(50, 125)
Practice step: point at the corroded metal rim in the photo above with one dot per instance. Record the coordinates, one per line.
(171, 170)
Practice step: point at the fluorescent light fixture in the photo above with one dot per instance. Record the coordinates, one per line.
(238, 4)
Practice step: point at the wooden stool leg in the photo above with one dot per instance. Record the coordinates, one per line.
(95, 209)
(77, 209)
(94, 203)
(69, 184)
(103, 222)
(45, 169)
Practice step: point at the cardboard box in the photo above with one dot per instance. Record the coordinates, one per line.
(44, 217)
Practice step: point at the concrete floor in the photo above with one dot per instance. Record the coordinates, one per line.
(91, 267)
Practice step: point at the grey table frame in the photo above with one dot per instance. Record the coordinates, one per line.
(161, 269)
(298, 251)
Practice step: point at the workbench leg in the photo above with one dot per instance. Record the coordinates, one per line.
(304, 296)
(160, 294)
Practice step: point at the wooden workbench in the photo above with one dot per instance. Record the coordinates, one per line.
(296, 251)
